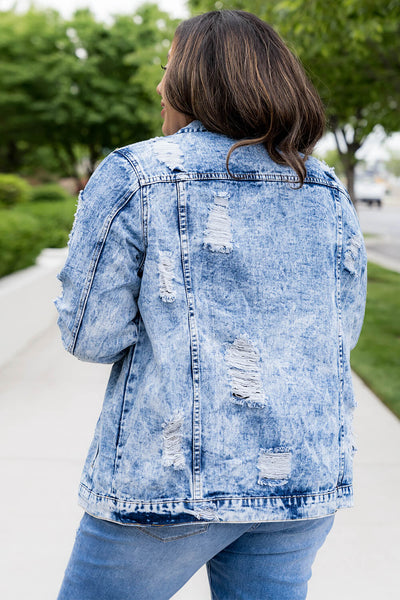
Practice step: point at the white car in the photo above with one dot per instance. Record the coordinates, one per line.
(370, 192)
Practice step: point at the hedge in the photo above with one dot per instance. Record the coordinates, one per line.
(48, 192)
(20, 241)
(26, 230)
(55, 219)
(13, 190)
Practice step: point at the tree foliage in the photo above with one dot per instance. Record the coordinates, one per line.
(72, 90)
(78, 87)
(351, 51)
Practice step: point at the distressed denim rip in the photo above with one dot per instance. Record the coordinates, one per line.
(228, 308)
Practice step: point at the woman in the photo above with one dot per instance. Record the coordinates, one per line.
(222, 271)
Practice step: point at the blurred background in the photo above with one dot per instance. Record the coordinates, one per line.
(78, 79)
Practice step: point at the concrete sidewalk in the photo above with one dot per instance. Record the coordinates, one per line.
(48, 410)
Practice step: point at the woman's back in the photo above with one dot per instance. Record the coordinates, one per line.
(223, 272)
(229, 306)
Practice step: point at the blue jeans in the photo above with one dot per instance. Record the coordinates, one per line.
(246, 561)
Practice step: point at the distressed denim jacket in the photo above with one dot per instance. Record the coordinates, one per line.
(228, 308)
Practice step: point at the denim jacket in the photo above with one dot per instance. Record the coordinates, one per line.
(228, 307)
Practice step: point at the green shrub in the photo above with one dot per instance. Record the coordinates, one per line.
(58, 214)
(48, 192)
(13, 190)
(26, 230)
(20, 241)
(55, 220)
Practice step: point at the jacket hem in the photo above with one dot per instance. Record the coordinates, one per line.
(219, 510)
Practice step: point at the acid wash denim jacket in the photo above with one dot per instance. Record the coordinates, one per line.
(228, 308)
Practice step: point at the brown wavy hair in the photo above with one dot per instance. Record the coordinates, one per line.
(231, 71)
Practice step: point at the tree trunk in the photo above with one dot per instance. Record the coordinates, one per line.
(93, 158)
(13, 157)
(349, 170)
(347, 154)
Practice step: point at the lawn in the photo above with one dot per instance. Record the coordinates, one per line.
(376, 358)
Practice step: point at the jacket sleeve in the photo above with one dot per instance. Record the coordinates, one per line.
(353, 274)
(100, 280)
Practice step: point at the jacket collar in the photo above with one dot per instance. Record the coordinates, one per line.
(193, 126)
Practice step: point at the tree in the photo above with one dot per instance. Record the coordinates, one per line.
(332, 158)
(78, 87)
(117, 70)
(34, 53)
(351, 51)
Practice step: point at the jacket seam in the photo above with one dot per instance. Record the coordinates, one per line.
(339, 221)
(93, 267)
(194, 344)
(118, 448)
(195, 176)
(216, 499)
(143, 204)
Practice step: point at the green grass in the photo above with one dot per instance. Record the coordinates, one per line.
(368, 236)
(376, 358)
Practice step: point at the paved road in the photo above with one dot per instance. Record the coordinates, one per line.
(48, 409)
(382, 226)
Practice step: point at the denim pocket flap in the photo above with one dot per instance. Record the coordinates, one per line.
(168, 533)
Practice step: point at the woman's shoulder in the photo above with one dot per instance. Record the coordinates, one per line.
(318, 170)
(195, 149)
(154, 154)
(187, 149)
